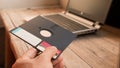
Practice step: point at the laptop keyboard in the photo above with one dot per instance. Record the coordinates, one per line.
(65, 22)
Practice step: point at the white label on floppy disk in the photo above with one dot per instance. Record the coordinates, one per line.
(41, 48)
(30, 38)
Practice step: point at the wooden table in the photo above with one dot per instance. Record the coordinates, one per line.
(100, 50)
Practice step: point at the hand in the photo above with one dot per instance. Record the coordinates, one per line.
(30, 60)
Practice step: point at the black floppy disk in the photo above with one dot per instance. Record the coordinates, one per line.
(41, 33)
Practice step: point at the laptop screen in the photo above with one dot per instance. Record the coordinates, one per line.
(95, 10)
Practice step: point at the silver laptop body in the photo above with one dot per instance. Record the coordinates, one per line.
(82, 16)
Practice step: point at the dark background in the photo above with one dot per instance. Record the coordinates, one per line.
(113, 18)
(2, 47)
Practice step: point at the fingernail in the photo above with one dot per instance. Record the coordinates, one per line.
(53, 47)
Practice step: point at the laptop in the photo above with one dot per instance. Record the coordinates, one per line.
(82, 16)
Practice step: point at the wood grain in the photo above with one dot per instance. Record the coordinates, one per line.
(99, 50)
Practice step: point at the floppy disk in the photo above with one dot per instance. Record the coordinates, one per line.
(42, 33)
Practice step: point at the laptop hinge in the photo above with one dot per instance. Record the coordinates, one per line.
(97, 25)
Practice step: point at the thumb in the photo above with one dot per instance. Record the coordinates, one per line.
(31, 53)
(48, 53)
